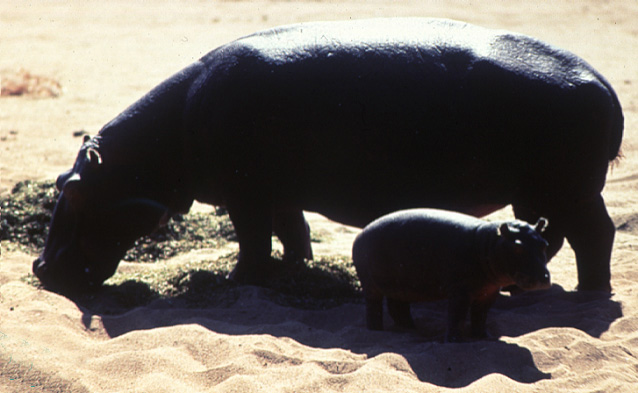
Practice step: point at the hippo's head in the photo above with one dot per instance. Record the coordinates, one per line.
(94, 223)
(520, 253)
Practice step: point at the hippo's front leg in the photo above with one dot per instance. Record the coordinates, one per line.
(253, 226)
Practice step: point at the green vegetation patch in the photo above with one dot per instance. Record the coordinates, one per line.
(182, 234)
(325, 282)
(322, 283)
(26, 214)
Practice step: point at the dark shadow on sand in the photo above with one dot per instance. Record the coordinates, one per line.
(225, 307)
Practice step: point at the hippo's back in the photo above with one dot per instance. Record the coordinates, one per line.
(455, 45)
(360, 118)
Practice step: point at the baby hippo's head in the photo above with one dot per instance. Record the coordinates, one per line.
(521, 254)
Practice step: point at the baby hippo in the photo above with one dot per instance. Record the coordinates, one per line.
(427, 254)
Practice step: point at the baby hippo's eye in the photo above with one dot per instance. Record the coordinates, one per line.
(518, 247)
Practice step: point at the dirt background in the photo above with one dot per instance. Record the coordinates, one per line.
(74, 65)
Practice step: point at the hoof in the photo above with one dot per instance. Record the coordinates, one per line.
(453, 338)
(606, 288)
(374, 327)
(246, 276)
(482, 336)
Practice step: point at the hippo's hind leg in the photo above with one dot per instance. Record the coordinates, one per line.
(400, 313)
(590, 231)
(293, 231)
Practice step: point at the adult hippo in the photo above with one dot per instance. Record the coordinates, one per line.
(352, 120)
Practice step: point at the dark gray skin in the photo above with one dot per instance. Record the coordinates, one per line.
(352, 120)
(427, 254)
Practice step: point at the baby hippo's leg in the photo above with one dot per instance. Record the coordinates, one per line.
(458, 307)
(374, 313)
(400, 313)
(478, 315)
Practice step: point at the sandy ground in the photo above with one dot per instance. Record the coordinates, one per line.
(105, 55)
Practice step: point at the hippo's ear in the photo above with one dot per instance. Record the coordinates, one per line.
(541, 225)
(94, 157)
(86, 138)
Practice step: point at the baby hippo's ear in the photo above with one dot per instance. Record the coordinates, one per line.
(541, 225)
(504, 230)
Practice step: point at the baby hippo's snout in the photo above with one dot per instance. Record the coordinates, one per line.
(521, 250)
(540, 280)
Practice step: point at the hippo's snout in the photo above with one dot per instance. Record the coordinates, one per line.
(59, 280)
(43, 272)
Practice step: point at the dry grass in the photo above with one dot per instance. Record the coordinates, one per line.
(23, 83)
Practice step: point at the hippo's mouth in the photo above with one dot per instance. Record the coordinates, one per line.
(59, 281)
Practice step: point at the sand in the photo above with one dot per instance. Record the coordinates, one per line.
(102, 56)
